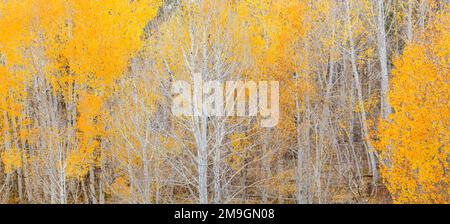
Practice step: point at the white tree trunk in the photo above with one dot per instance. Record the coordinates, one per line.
(369, 149)
(382, 53)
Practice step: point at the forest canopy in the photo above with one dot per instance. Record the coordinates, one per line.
(86, 95)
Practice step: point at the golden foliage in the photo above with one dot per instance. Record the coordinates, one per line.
(414, 142)
(12, 160)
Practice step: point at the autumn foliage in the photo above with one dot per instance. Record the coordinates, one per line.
(86, 96)
(414, 142)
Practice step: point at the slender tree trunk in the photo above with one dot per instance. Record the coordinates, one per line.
(382, 53)
(409, 25)
(369, 149)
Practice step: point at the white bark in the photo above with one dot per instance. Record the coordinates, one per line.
(369, 149)
(382, 53)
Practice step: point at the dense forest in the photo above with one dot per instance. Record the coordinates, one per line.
(86, 101)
